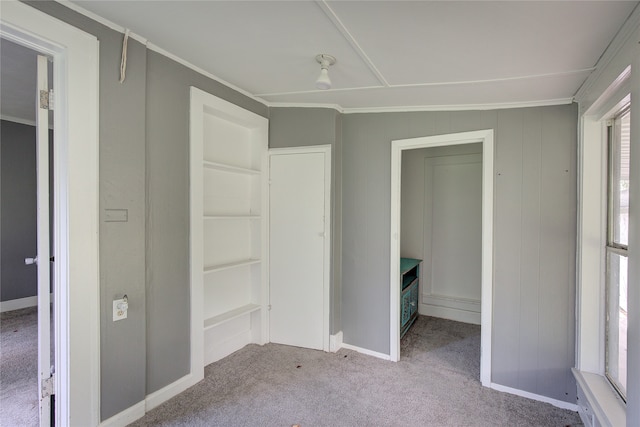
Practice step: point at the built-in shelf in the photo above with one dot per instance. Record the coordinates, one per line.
(230, 315)
(228, 196)
(221, 267)
(229, 168)
(232, 217)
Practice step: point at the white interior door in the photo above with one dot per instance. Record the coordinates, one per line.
(45, 386)
(298, 248)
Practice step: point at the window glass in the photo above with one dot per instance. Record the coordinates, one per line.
(619, 185)
(616, 263)
(617, 321)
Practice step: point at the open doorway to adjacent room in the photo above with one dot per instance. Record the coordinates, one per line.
(26, 234)
(441, 243)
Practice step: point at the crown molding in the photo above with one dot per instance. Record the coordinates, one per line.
(120, 29)
(112, 25)
(421, 108)
(205, 73)
(336, 107)
(460, 107)
(626, 31)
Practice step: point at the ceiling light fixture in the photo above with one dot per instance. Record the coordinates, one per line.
(325, 62)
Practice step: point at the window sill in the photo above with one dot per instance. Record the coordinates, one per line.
(602, 402)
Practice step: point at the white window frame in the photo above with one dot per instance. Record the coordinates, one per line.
(611, 246)
(603, 399)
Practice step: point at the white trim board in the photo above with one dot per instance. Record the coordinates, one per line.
(555, 402)
(451, 313)
(76, 294)
(158, 397)
(366, 351)
(335, 342)
(125, 417)
(20, 303)
(601, 399)
(486, 138)
(150, 402)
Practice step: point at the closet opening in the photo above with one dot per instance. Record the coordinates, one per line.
(441, 245)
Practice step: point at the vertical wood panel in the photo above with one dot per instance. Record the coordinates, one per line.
(556, 285)
(508, 243)
(528, 339)
(534, 280)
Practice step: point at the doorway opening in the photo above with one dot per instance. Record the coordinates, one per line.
(484, 139)
(26, 229)
(75, 207)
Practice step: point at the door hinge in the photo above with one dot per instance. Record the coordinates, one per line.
(46, 99)
(269, 307)
(48, 386)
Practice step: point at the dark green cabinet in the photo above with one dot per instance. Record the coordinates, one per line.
(409, 279)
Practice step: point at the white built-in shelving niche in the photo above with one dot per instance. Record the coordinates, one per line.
(228, 228)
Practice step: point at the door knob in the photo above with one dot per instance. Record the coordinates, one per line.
(29, 261)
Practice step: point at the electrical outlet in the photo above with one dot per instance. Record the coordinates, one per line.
(120, 307)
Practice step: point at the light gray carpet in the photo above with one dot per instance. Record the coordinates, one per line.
(19, 368)
(435, 384)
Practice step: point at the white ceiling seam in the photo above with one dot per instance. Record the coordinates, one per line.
(351, 39)
(458, 83)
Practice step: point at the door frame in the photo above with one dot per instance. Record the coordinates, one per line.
(326, 150)
(486, 317)
(76, 284)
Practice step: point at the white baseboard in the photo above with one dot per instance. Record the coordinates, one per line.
(450, 313)
(335, 342)
(555, 402)
(366, 351)
(159, 397)
(125, 417)
(153, 400)
(20, 303)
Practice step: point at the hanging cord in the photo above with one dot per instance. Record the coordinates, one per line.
(123, 61)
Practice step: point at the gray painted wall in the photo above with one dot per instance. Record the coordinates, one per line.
(144, 140)
(298, 127)
(534, 268)
(144, 133)
(412, 231)
(122, 186)
(167, 118)
(18, 232)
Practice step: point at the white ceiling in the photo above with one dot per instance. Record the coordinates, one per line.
(390, 54)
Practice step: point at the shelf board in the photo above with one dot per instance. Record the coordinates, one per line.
(229, 168)
(230, 315)
(221, 267)
(232, 216)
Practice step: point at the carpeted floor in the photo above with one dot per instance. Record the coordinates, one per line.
(19, 368)
(435, 384)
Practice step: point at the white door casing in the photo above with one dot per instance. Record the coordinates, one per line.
(299, 245)
(486, 138)
(76, 293)
(42, 208)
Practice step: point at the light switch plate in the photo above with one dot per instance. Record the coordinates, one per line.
(117, 313)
